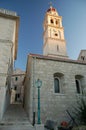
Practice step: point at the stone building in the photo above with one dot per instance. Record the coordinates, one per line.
(82, 56)
(63, 79)
(17, 88)
(9, 22)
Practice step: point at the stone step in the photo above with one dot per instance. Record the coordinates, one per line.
(15, 118)
(16, 127)
(13, 123)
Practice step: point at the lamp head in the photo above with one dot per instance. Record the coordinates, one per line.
(38, 83)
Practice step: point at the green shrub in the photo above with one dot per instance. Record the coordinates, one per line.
(80, 110)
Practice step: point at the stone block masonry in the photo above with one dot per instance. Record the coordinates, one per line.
(8, 51)
(54, 105)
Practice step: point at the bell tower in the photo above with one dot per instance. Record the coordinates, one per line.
(54, 41)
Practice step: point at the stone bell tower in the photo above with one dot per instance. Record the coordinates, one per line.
(54, 41)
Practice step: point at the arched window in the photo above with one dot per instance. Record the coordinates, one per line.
(56, 22)
(79, 81)
(56, 85)
(58, 81)
(51, 21)
(77, 86)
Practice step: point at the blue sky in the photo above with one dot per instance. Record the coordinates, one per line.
(32, 13)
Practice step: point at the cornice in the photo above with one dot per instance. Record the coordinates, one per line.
(53, 39)
(6, 41)
(59, 28)
(67, 60)
(10, 15)
(55, 16)
(16, 18)
(3, 74)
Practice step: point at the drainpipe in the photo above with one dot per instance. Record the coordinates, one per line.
(34, 63)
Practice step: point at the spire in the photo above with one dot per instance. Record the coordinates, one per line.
(51, 8)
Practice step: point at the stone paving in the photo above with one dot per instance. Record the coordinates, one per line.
(15, 118)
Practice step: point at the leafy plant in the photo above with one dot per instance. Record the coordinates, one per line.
(80, 110)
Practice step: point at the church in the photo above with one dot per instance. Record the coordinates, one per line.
(63, 79)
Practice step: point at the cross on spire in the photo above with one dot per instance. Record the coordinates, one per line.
(50, 4)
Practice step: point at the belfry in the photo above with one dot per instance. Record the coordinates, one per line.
(54, 41)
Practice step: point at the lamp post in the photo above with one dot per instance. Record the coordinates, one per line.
(38, 85)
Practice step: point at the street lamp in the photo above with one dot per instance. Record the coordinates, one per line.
(38, 84)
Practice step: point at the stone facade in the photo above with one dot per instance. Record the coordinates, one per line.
(63, 79)
(82, 56)
(54, 40)
(53, 105)
(17, 88)
(8, 52)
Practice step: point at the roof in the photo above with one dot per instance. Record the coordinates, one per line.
(56, 59)
(51, 9)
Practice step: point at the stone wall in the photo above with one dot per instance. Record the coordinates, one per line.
(5, 74)
(17, 88)
(54, 105)
(28, 91)
(8, 31)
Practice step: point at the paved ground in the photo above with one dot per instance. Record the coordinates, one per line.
(15, 118)
(15, 114)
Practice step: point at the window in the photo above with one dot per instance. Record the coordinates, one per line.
(51, 20)
(18, 95)
(56, 22)
(15, 88)
(56, 34)
(58, 82)
(16, 78)
(83, 58)
(56, 85)
(78, 86)
(79, 81)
